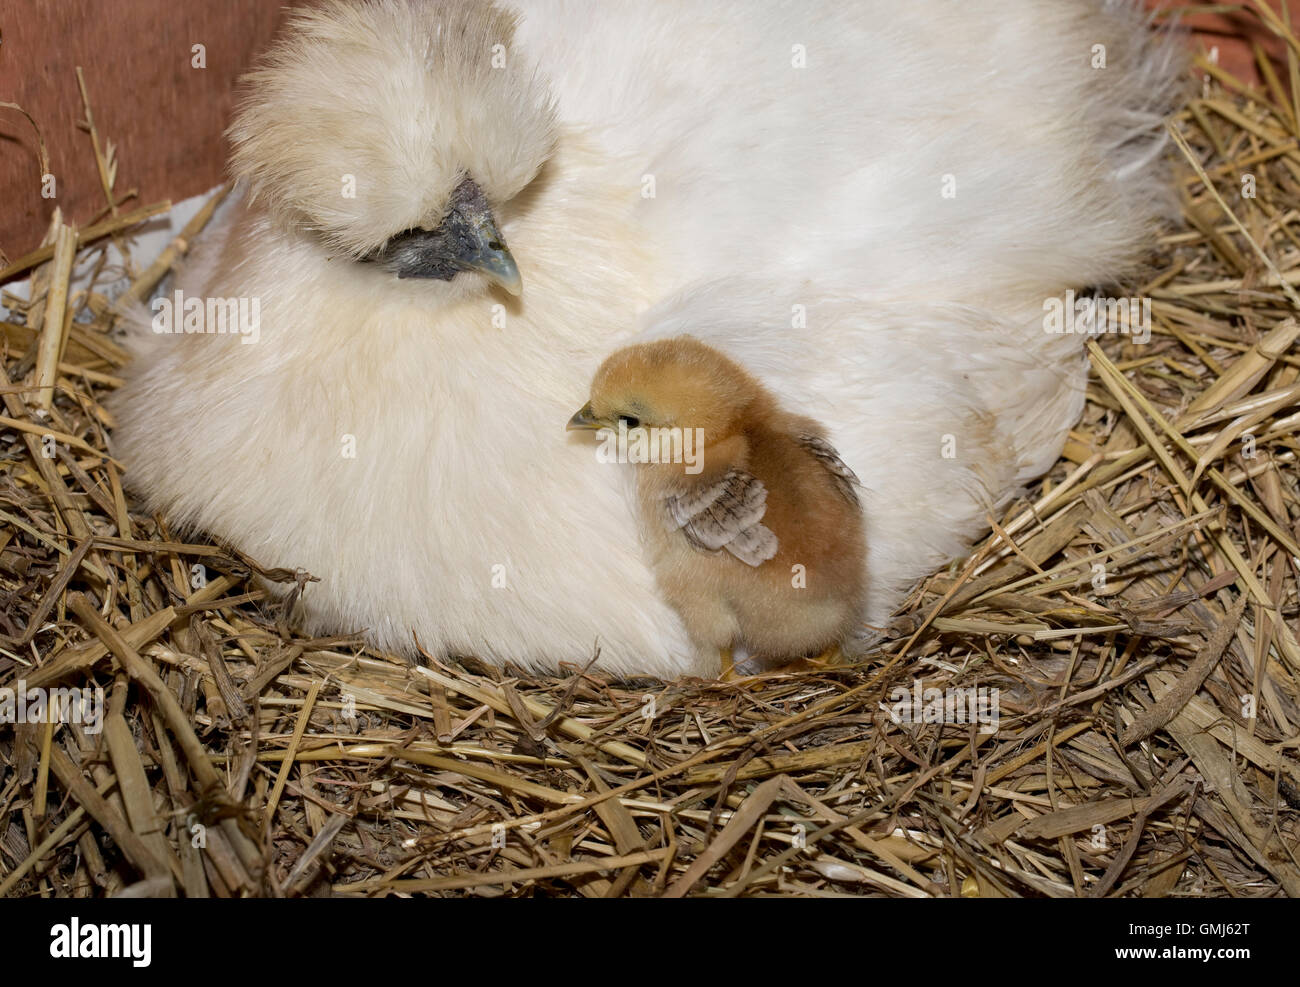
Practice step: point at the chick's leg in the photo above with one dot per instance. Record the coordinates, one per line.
(728, 664)
(832, 657)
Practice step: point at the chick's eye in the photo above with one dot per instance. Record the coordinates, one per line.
(629, 421)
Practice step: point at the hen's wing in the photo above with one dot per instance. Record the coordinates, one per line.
(727, 514)
(846, 481)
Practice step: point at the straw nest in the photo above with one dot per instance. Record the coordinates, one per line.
(1137, 613)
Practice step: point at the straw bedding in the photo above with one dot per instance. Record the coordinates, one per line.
(1136, 613)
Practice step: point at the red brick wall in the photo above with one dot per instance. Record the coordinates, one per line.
(164, 117)
(1233, 34)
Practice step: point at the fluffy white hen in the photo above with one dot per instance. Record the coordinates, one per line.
(866, 204)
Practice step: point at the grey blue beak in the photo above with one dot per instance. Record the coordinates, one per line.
(490, 256)
(467, 239)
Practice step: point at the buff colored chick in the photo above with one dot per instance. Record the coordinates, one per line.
(750, 519)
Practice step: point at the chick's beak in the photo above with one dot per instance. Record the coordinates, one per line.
(585, 418)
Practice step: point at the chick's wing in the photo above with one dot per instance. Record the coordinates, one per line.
(845, 479)
(727, 514)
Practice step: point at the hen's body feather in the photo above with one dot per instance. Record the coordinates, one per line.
(798, 224)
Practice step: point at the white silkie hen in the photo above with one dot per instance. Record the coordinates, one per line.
(865, 204)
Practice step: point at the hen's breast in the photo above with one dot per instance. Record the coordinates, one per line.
(867, 206)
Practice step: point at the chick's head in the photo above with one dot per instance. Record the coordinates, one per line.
(671, 383)
(392, 129)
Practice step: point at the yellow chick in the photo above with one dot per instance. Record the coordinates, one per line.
(751, 520)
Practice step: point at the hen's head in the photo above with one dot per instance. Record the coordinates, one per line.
(392, 128)
(672, 383)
